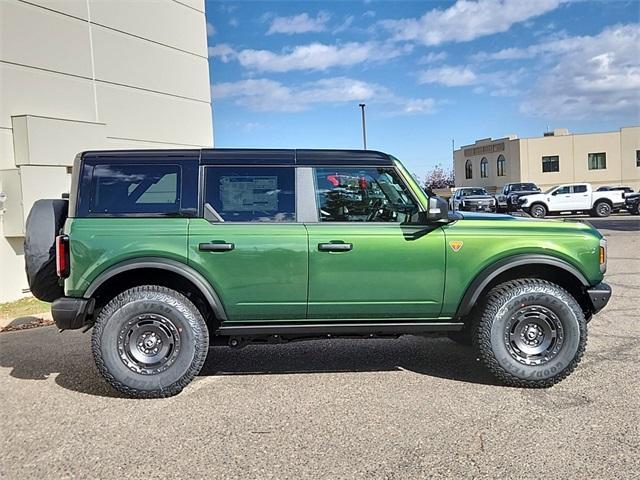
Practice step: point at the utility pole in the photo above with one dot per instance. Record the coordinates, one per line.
(364, 127)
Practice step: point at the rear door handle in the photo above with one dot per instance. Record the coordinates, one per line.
(216, 247)
(335, 247)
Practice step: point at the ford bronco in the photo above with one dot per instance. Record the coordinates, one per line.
(164, 253)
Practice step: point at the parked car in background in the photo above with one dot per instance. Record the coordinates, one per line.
(508, 199)
(632, 203)
(573, 198)
(472, 200)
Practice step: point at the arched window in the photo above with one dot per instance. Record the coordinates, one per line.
(500, 165)
(484, 167)
(468, 169)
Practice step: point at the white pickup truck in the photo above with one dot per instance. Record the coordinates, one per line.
(574, 197)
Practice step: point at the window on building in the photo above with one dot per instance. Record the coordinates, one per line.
(597, 161)
(252, 194)
(551, 163)
(637, 158)
(468, 169)
(500, 166)
(362, 195)
(484, 168)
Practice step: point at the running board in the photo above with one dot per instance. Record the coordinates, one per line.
(372, 328)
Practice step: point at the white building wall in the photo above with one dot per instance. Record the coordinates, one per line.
(91, 74)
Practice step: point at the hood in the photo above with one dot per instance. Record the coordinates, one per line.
(557, 224)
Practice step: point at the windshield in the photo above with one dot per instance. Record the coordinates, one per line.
(550, 190)
(525, 187)
(473, 191)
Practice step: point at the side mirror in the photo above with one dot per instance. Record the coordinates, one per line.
(438, 210)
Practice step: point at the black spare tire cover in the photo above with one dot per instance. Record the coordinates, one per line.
(44, 223)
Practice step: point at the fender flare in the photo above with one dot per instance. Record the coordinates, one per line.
(485, 277)
(160, 263)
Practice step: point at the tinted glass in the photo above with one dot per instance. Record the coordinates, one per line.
(362, 195)
(473, 191)
(563, 190)
(135, 189)
(579, 189)
(252, 194)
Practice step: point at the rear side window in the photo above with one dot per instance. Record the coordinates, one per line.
(120, 189)
(251, 194)
(142, 189)
(579, 188)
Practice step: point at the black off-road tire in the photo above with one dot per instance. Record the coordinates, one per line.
(44, 223)
(601, 209)
(142, 306)
(538, 210)
(491, 332)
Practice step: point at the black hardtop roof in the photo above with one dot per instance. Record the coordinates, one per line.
(252, 156)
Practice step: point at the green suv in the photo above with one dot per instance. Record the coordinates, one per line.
(165, 253)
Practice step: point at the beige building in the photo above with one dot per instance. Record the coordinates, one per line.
(91, 74)
(609, 158)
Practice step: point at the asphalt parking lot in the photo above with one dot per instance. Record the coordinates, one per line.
(405, 408)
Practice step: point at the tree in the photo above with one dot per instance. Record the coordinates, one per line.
(438, 177)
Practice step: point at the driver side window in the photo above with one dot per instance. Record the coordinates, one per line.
(366, 194)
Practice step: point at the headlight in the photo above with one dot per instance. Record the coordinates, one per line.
(602, 255)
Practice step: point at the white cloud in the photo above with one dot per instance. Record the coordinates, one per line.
(589, 76)
(369, 14)
(301, 23)
(211, 30)
(223, 51)
(269, 95)
(449, 76)
(234, 22)
(432, 57)
(467, 20)
(498, 83)
(314, 56)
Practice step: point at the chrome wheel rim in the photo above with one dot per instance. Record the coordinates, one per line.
(534, 335)
(148, 344)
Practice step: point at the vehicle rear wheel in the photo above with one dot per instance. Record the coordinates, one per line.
(636, 210)
(601, 209)
(150, 342)
(532, 333)
(538, 210)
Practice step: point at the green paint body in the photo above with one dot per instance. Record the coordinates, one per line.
(276, 273)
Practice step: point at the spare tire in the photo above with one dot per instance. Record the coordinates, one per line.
(44, 223)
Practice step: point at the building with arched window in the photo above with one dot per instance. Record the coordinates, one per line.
(609, 158)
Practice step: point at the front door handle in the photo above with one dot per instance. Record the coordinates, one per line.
(335, 247)
(216, 247)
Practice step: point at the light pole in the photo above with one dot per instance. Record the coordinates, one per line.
(364, 127)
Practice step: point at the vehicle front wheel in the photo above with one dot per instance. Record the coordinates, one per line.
(531, 333)
(538, 210)
(601, 209)
(150, 342)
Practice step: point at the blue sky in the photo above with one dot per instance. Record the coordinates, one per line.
(291, 74)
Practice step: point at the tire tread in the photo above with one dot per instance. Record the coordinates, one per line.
(496, 298)
(180, 303)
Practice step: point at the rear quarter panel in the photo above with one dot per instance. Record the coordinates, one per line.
(99, 243)
(487, 241)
